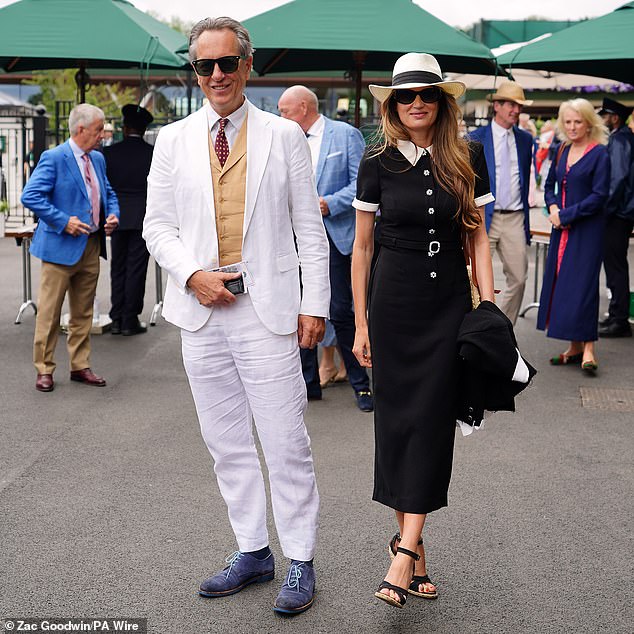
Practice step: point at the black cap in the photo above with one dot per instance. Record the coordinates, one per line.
(614, 107)
(136, 117)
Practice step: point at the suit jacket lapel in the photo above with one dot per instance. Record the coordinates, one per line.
(73, 168)
(259, 139)
(326, 141)
(520, 157)
(489, 155)
(196, 151)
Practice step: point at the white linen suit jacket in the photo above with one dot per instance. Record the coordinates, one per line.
(281, 202)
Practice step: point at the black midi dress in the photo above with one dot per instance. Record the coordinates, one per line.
(417, 297)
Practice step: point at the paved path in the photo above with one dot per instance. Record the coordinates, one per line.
(109, 507)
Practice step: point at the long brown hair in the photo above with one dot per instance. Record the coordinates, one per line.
(451, 163)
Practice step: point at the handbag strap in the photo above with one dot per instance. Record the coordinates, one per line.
(469, 258)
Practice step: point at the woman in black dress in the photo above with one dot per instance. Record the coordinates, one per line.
(430, 186)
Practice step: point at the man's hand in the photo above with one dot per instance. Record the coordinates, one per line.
(209, 288)
(75, 227)
(323, 207)
(310, 330)
(112, 222)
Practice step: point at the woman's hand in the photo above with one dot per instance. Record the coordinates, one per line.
(553, 216)
(361, 348)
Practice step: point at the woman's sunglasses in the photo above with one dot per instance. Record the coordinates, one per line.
(406, 96)
(228, 64)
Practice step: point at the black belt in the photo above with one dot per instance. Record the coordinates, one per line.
(431, 246)
(507, 211)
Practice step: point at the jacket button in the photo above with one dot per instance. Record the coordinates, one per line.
(432, 231)
(426, 172)
(430, 192)
(432, 274)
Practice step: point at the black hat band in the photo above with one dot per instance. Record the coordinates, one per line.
(415, 77)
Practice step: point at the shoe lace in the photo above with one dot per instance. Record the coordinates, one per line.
(232, 559)
(294, 575)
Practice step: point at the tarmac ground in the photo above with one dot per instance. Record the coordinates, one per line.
(110, 507)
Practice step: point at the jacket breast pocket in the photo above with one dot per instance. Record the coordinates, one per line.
(287, 262)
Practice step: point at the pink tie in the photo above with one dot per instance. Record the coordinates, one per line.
(94, 190)
(221, 145)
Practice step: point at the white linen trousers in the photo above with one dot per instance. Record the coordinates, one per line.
(239, 373)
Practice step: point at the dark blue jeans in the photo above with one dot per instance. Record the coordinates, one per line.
(342, 319)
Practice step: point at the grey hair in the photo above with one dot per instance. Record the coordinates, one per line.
(83, 114)
(217, 24)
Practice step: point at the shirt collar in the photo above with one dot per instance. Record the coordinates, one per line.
(498, 130)
(317, 128)
(411, 151)
(236, 117)
(77, 151)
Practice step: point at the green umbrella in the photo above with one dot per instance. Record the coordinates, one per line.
(41, 34)
(308, 35)
(602, 47)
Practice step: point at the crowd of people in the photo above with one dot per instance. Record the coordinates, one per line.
(268, 225)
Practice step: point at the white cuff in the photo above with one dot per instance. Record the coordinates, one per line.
(361, 206)
(485, 199)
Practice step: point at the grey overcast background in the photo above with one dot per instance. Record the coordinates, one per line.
(455, 12)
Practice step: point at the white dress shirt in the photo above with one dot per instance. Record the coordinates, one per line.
(502, 135)
(81, 164)
(314, 136)
(232, 127)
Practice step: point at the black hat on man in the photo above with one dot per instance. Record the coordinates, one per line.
(614, 107)
(136, 117)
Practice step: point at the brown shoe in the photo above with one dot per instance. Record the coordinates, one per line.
(44, 383)
(87, 376)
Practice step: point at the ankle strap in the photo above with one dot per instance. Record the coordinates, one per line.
(409, 553)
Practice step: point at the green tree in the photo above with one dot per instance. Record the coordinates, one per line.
(60, 85)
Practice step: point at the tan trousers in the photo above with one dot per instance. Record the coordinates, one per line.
(506, 236)
(80, 280)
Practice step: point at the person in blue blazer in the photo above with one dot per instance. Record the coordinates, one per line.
(508, 151)
(76, 208)
(336, 150)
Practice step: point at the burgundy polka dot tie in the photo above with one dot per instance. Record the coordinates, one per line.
(221, 146)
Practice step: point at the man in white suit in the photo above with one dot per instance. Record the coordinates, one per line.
(233, 185)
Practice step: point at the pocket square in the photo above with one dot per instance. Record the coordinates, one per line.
(334, 154)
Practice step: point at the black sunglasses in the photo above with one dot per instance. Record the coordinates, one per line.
(228, 64)
(428, 95)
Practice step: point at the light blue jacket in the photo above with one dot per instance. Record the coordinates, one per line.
(55, 192)
(342, 147)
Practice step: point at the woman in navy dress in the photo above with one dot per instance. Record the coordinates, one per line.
(430, 186)
(575, 192)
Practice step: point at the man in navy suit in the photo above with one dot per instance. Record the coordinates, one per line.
(77, 208)
(336, 149)
(508, 151)
(128, 165)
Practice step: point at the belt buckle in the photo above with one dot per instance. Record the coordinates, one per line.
(434, 247)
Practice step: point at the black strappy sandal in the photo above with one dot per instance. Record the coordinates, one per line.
(391, 547)
(416, 581)
(401, 592)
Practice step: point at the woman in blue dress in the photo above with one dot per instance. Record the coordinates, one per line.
(575, 192)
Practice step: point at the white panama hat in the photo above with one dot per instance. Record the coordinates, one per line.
(417, 70)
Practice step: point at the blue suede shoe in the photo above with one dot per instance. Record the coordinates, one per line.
(243, 570)
(298, 592)
(365, 400)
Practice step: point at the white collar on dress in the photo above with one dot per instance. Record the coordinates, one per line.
(411, 151)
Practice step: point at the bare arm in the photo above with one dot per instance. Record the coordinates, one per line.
(482, 254)
(361, 259)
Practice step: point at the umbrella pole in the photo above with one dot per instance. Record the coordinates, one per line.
(359, 62)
